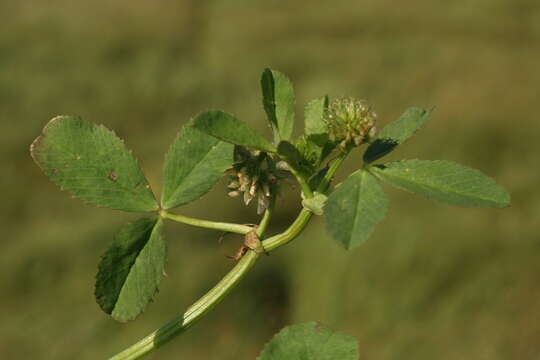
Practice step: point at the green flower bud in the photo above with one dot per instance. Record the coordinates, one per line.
(350, 122)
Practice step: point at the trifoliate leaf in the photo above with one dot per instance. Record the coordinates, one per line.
(354, 208)
(310, 341)
(396, 133)
(93, 164)
(193, 164)
(131, 269)
(228, 128)
(444, 181)
(278, 101)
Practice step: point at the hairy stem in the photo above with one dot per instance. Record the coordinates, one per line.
(229, 281)
(207, 224)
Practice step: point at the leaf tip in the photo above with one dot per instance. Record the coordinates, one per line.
(36, 144)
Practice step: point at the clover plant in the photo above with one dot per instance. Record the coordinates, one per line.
(94, 165)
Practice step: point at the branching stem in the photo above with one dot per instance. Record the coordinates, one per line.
(207, 224)
(229, 281)
(263, 225)
(195, 312)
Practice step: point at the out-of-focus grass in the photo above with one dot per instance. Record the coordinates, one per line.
(432, 282)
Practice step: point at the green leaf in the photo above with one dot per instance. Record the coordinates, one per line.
(354, 208)
(131, 269)
(314, 116)
(444, 181)
(93, 164)
(316, 203)
(278, 101)
(396, 133)
(310, 341)
(193, 164)
(228, 128)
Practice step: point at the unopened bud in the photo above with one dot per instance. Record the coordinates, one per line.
(233, 185)
(253, 187)
(262, 203)
(282, 165)
(247, 197)
(266, 190)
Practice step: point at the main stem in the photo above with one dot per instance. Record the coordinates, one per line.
(206, 303)
(195, 312)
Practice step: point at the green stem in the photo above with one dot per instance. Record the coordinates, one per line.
(194, 313)
(325, 182)
(305, 215)
(227, 283)
(263, 225)
(207, 224)
(292, 231)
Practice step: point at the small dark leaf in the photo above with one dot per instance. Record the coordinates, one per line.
(396, 133)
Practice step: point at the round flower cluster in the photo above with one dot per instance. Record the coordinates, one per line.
(254, 174)
(350, 121)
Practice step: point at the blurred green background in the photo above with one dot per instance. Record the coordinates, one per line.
(433, 282)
